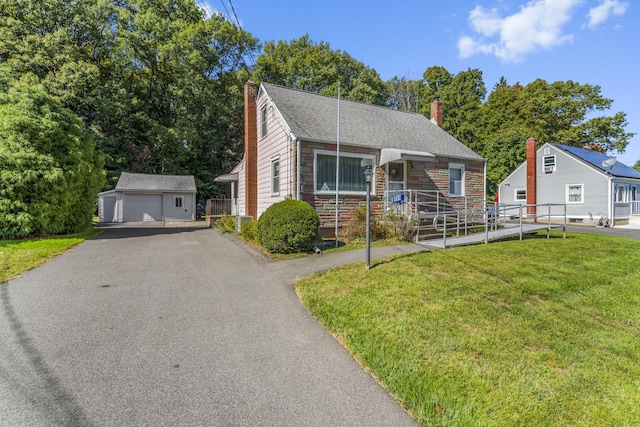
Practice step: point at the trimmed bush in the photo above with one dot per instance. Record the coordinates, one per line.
(288, 227)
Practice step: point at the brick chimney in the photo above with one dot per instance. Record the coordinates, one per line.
(532, 170)
(436, 111)
(251, 149)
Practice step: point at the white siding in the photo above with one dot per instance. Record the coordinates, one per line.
(275, 144)
(239, 169)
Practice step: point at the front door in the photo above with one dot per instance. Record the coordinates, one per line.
(396, 186)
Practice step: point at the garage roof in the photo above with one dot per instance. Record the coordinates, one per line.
(148, 182)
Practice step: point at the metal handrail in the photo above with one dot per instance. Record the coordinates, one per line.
(410, 202)
(493, 218)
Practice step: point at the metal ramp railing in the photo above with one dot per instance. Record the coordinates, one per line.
(412, 202)
(494, 221)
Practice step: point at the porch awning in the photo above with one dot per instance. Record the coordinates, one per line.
(392, 154)
(230, 177)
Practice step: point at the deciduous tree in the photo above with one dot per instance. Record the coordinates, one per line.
(315, 67)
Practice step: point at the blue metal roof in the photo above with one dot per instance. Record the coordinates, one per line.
(595, 159)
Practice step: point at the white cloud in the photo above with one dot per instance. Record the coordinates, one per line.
(601, 13)
(484, 22)
(539, 24)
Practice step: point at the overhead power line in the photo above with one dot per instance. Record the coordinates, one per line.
(234, 14)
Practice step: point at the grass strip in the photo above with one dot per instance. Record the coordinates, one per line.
(536, 332)
(18, 256)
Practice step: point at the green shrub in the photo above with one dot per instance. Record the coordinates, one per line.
(357, 226)
(226, 224)
(249, 231)
(288, 227)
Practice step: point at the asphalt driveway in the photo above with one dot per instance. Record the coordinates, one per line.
(180, 327)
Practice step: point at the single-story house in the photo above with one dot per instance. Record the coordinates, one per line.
(291, 147)
(146, 197)
(591, 184)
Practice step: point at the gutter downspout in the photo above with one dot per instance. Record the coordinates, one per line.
(612, 203)
(484, 189)
(298, 161)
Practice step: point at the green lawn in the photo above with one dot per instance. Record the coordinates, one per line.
(536, 332)
(18, 256)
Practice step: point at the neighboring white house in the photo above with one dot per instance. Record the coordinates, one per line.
(591, 184)
(145, 197)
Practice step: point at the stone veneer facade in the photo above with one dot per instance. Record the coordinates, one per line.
(423, 176)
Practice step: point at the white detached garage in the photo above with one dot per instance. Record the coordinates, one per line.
(146, 197)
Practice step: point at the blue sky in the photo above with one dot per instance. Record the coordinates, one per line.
(595, 42)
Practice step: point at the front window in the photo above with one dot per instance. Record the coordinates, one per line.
(263, 122)
(351, 172)
(275, 176)
(456, 180)
(575, 193)
(177, 201)
(621, 191)
(520, 195)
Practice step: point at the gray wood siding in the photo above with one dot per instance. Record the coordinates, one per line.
(172, 213)
(516, 181)
(108, 209)
(552, 187)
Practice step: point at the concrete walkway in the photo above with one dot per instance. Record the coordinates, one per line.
(177, 327)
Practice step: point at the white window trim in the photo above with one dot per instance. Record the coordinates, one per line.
(460, 166)
(262, 123)
(175, 202)
(274, 191)
(515, 194)
(626, 192)
(371, 157)
(581, 194)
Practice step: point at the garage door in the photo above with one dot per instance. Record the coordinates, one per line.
(142, 207)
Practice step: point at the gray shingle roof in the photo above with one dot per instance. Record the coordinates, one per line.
(313, 117)
(147, 182)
